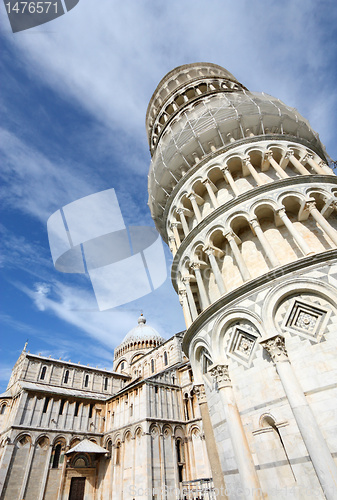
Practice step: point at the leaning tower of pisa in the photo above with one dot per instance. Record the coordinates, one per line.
(240, 189)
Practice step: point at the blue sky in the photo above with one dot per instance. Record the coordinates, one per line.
(73, 99)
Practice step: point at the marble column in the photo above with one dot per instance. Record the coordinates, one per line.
(210, 192)
(180, 211)
(190, 298)
(318, 450)
(297, 164)
(278, 169)
(201, 287)
(242, 453)
(195, 207)
(186, 310)
(309, 158)
(5, 462)
(176, 234)
(216, 271)
(211, 446)
(330, 231)
(237, 256)
(293, 231)
(229, 178)
(45, 473)
(269, 252)
(27, 471)
(172, 245)
(252, 171)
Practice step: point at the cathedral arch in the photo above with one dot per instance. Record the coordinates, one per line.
(59, 439)
(23, 439)
(43, 372)
(3, 408)
(42, 440)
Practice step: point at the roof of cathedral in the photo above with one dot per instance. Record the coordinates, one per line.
(87, 446)
(142, 332)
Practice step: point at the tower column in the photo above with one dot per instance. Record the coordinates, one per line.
(45, 473)
(318, 169)
(243, 456)
(254, 223)
(214, 460)
(201, 287)
(275, 165)
(297, 164)
(318, 450)
(253, 172)
(186, 310)
(294, 233)
(330, 231)
(176, 234)
(180, 211)
(195, 207)
(190, 298)
(216, 271)
(229, 178)
(237, 256)
(211, 194)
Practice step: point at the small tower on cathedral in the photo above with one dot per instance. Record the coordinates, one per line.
(241, 191)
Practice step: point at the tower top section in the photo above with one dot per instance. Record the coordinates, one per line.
(180, 86)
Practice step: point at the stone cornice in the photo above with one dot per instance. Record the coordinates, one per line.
(254, 284)
(235, 202)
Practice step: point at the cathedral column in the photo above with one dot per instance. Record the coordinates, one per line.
(20, 408)
(318, 450)
(211, 446)
(246, 162)
(186, 310)
(211, 194)
(294, 233)
(45, 473)
(5, 462)
(190, 298)
(63, 473)
(254, 223)
(201, 287)
(195, 207)
(269, 156)
(297, 164)
(242, 453)
(180, 211)
(176, 234)
(215, 268)
(237, 256)
(330, 231)
(27, 471)
(229, 178)
(309, 158)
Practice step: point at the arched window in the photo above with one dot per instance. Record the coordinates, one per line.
(122, 365)
(106, 383)
(66, 377)
(180, 459)
(3, 409)
(206, 360)
(45, 406)
(77, 405)
(90, 410)
(43, 373)
(165, 358)
(57, 454)
(86, 381)
(152, 365)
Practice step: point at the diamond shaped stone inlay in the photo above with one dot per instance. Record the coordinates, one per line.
(241, 345)
(305, 318)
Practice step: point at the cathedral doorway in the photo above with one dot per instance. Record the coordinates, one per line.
(77, 488)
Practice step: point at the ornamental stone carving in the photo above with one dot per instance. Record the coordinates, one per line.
(275, 346)
(199, 391)
(221, 376)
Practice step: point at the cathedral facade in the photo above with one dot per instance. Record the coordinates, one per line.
(243, 404)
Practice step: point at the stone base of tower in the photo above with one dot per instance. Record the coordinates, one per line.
(236, 347)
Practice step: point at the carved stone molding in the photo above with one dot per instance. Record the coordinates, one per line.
(199, 391)
(275, 346)
(220, 374)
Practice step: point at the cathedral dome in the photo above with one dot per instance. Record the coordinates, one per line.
(142, 332)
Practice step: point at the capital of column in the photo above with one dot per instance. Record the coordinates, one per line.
(220, 374)
(254, 222)
(310, 205)
(199, 391)
(210, 250)
(182, 295)
(197, 265)
(229, 235)
(245, 159)
(276, 348)
(281, 212)
(308, 156)
(175, 224)
(333, 205)
(191, 196)
(268, 154)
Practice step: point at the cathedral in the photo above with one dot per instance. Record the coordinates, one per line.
(243, 404)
